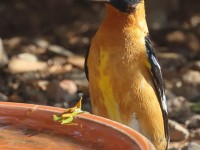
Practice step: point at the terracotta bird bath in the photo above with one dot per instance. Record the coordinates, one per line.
(31, 127)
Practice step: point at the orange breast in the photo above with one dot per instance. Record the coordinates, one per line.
(121, 86)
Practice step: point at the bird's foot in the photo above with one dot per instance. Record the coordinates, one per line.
(68, 115)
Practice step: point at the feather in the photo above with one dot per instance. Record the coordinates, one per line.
(155, 71)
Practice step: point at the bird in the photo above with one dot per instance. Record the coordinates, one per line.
(125, 79)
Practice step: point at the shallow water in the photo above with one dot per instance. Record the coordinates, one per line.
(17, 137)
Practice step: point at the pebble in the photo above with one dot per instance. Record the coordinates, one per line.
(171, 61)
(3, 55)
(191, 77)
(25, 64)
(193, 122)
(42, 43)
(177, 132)
(179, 109)
(77, 61)
(195, 134)
(191, 146)
(60, 50)
(68, 86)
(3, 97)
(27, 57)
(176, 36)
(62, 91)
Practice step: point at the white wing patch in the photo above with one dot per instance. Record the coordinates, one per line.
(134, 123)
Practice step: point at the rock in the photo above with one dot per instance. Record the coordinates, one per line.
(25, 63)
(68, 86)
(186, 84)
(171, 61)
(15, 98)
(79, 75)
(191, 66)
(195, 107)
(33, 49)
(56, 69)
(188, 91)
(3, 55)
(169, 94)
(193, 42)
(179, 109)
(13, 42)
(87, 107)
(42, 43)
(63, 91)
(190, 85)
(173, 148)
(83, 84)
(195, 134)
(60, 69)
(176, 36)
(77, 61)
(60, 50)
(59, 60)
(195, 99)
(191, 146)
(59, 105)
(193, 122)
(42, 84)
(191, 77)
(35, 96)
(67, 67)
(177, 132)
(28, 57)
(195, 65)
(3, 97)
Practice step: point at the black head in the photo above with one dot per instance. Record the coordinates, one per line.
(125, 5)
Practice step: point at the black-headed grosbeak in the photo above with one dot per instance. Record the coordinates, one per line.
(126, 83)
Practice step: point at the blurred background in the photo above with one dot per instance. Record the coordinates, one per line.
(43, 45)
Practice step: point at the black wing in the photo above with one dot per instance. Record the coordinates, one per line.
(158, 82)
(85, 65)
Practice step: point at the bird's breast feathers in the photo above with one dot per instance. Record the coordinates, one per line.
(122, 88)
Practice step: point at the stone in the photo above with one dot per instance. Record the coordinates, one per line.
(191, 146)
(13, 42)
(171, 61)
(77, 61)
(195, 65)
(193, 122)
(179, 109)
(25, 63)
(3, 55)
(28, 57)
(68, 86)
(177, 132)
(176, 36)
(195, 134)
(62, 91)
(3, 97)
(191, 77)
(42, 43)
(190, 92)
(60, 50)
